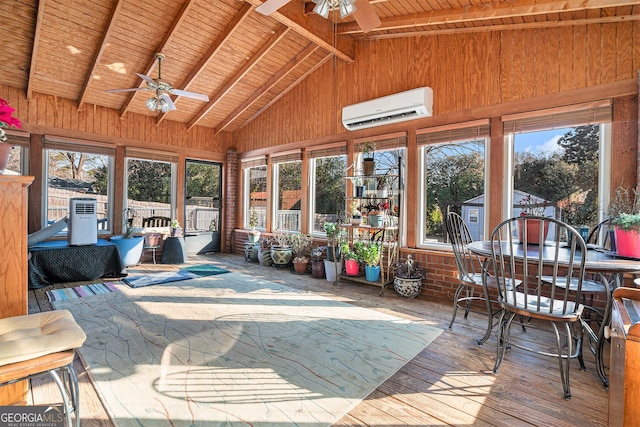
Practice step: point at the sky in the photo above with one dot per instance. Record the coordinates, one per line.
(536, 142)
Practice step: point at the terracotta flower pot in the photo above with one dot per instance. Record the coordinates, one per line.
(533, 231)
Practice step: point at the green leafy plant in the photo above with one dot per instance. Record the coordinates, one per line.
(301, 244)
(367, 148)
(624, 208)
(370, 252)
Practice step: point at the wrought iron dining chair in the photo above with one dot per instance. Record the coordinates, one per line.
(514, 257)
(593, 285)
(471, 276)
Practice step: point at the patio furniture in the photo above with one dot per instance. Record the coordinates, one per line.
(39, 344)
(534, 299)
(471, 275)
(156, 221)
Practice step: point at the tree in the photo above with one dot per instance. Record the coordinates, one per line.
(330, 185)
(149, 181)
(581, 144)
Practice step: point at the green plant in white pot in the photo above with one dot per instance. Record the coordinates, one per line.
(624, 211)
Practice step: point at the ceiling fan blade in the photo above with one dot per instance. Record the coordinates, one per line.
(193, 95)
(172, 106)
(127, 90)
(148, 79)
(270, 6)
(366, 16)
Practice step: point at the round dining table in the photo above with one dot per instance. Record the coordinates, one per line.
(610, 267)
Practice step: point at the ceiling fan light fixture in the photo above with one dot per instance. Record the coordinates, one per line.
(322, 8)
(152, 103)
(163, 105)
(346, 8)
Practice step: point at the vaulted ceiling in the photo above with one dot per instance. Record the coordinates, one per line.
(242, 60)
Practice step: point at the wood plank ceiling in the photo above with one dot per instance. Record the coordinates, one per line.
(244, 61)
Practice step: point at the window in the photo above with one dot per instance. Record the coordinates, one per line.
(558, 162)
(383, 189)
(18, 159)
(78, 171)
(452, 178)
(288, 196)
(203, 194)
(255, 192)
(328, 167)
(150, 189)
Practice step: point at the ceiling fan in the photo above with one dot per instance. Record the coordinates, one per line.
(162, 101)
(362, 11)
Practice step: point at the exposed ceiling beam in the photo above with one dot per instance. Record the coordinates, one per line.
(503, 10)
(503, 27)
(152, 62)
(292, 15)
(291, 86)
(34, 50)
(299, 58)
(231, 27)
(264, 49)
(98, 57)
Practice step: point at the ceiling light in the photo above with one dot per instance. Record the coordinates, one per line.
(152, 103)
(346, 7)
(163, 105)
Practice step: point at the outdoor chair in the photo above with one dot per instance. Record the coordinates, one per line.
(593, 284)
(534, 299)
(39, 344)
(474, 284)
(156, 221)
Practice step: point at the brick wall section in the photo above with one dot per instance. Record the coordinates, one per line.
(230, 199)
(441, 281)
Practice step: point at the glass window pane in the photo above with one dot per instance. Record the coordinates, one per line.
(328, 190)
(203, 193)
(149, 191)
(256, 179)
(558, 169)
(289, 197)
(74, 174)
(454, 181)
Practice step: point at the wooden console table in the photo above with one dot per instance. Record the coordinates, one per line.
(624, 373)
(13, 263)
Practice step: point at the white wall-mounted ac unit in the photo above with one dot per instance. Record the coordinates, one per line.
(83, 221)
(399, 107)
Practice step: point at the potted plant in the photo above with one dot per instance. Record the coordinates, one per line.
(6, 120)
(317, 262)
(358, 184)
(301, 247)
(371, 252)
(129, 246)
(351, 259)
(624, 211)
(281, 251)
(356, 215)
(254, 235)
(532, 206)
(408, 278)
(264, 251)
(176, 229)
(368, 162)
(332, 263)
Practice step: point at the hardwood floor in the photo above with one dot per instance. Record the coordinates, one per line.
(450, 383)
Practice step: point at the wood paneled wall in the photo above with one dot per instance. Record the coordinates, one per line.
(473, 75)
(45, 114)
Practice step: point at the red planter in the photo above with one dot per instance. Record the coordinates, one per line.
(627, 243)
(533, 231)
(352, 267)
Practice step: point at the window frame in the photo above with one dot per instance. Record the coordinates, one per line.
(449, 134)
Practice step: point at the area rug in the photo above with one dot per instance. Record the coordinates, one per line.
(142, 280)
(81, 291)
(236, 350)
(205, 270)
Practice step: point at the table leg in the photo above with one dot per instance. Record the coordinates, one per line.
(616, 280)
